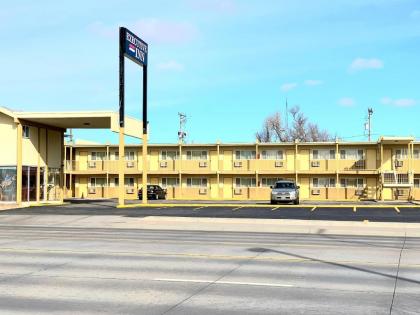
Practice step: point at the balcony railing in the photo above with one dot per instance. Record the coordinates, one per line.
(99, 165)
(393, 179)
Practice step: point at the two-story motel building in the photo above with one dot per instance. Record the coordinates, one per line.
(388, 169)
(37, 166)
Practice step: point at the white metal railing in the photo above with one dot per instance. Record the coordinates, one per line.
(396, 179)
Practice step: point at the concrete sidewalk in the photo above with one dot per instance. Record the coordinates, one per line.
(216, 224)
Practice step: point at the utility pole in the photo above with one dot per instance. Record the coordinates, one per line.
(368, 124)
(181, 132)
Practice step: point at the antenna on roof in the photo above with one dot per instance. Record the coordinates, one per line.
(181, 133)
(368, 124)
(287, 116)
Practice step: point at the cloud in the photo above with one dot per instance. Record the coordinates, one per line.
(313, 82)
(157, 31)
(222, 6)
(364, 64)
(346, 102)
(415, 14)
(402, 102)
(170, 65)
(288, 86)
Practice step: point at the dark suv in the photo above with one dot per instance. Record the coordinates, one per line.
(153, 192)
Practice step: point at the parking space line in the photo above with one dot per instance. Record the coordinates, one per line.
(354, 209)
(313, 209)
(275, 208)
(397, 209)
(195, 209)
(236, 209)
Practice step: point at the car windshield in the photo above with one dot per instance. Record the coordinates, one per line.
(285, 185)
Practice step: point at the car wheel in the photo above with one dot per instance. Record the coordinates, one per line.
(296, 202)
(273, 202)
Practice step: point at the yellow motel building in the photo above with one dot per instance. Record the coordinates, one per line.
(36, 165)
(388, 169)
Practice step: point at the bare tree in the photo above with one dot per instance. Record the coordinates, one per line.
(302, 130)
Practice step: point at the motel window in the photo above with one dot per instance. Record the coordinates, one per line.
(416, 182)
(323, 182)
(268, 182)
(129, 156)
(352, 154)
(128, 182)
(168, 155)
(245, 155)
(416, 154)
(196, 182)
(170, 182)
(323, 154)
(272, 155)
(400, 154)
(97, 182)
(352, 182)
(245, 182)
(98, 156)
(25, 132)
(197, 155)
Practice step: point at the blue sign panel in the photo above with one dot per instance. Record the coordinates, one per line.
(135, 48)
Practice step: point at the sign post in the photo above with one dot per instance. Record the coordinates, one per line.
(135, 49)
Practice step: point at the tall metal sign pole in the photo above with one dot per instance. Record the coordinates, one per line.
(135, 49)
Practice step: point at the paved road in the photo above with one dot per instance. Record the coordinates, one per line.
(61, 270)
(379, 214)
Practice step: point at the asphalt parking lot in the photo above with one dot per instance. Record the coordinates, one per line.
(372, 213)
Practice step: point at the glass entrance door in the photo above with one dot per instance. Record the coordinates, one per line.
(28, 183)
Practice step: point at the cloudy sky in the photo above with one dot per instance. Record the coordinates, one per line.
(225, 63)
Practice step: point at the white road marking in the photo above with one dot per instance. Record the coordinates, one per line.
(235, 209)
(198, 208)
(226, 282)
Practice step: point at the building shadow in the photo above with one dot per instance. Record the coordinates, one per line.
(335, 264)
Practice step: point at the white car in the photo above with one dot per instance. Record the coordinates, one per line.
(285, 191)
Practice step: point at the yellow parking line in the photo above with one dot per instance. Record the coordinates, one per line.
(313, 209)
(396, 209)
(237, 208)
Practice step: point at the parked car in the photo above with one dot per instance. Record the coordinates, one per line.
(153, 192)
(285, 191)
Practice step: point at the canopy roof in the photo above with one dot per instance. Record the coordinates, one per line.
(80, 120)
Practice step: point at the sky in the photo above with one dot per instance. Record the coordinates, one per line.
(226, 64)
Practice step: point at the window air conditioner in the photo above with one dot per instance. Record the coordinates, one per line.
(130, 164)
(238, 191)
(163, 164)
(278, 164)
(237, 164)
(316, 192)
(92, 164)
(399, 163)
(92, 190)
(202, 191)
(315, 164)
(129, 190)
(202, 164)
